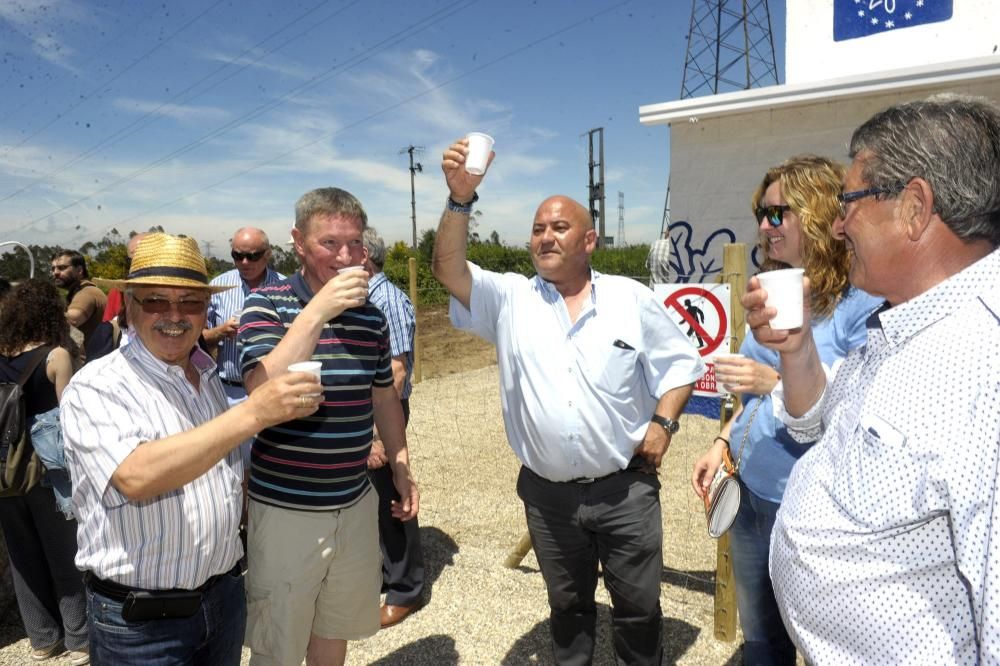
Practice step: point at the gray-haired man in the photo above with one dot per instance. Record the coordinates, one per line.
(884, 550)
(402, 557)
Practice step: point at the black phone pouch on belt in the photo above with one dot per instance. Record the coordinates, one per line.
(143, 605)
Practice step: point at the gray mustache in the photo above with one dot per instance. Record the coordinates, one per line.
(172, 326)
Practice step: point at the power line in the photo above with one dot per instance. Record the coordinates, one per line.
(150, 116)
(392, 40)
(84, 98)
(113, 40)
(323, 137)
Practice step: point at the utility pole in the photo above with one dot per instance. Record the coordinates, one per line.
(414, 168)
(665, 224)
(621, 219)
(597, 188)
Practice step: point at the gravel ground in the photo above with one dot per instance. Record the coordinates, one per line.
(478, 611)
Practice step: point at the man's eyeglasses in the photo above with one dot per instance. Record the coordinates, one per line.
(845, 198)
(249, 256)
(773, 214)
(159, 305)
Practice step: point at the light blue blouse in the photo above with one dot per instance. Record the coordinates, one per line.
(770, 452)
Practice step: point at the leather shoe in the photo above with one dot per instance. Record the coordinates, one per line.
(395, 614)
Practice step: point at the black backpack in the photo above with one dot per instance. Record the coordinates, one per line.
(102, 340)
(20, 468)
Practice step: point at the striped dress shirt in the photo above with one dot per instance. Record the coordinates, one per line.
(224, 305)
(175, 540)
(398, 311)
(320, 462)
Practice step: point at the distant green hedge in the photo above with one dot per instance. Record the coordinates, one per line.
(629, 261)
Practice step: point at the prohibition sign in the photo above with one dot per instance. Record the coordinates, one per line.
(712, 342)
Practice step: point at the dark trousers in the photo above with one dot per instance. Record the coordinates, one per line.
(402, 557)
(49, 588)
(615, 521)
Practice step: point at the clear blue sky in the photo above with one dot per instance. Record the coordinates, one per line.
(206, 116)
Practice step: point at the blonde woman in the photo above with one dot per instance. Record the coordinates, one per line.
(794, 207)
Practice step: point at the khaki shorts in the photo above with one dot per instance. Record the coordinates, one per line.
(311, 572)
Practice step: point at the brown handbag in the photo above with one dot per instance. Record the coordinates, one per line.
(722, 501)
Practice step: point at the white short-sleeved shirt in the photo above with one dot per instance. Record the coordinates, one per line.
(577, 397)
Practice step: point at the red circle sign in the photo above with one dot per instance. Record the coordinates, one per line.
(672, 302)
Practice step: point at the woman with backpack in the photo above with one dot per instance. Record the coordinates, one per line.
(41, 540)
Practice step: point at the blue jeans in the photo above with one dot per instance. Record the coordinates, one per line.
(765, 639)
(46, 438)
(213, 636)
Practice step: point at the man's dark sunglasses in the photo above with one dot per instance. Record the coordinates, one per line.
(845, 198)
(249, 256)
(159, 305)
(773, 214)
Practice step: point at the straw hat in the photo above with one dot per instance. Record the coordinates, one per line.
(166, 261)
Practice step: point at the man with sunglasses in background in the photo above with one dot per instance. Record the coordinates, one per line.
(157, 476)
(251, 252)
(883, 551)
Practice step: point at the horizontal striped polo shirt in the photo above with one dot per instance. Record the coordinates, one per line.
(320, 462)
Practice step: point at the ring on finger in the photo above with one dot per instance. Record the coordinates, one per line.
(302, 401)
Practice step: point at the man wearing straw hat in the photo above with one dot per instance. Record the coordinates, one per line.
(157, 475)
(313, 547)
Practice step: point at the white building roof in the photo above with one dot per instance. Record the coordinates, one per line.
(913, 78)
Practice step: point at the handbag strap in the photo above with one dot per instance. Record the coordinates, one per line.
(39, 354)
(746, 435)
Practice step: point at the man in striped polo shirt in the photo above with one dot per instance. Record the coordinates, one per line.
(402, 557)
(313, 548)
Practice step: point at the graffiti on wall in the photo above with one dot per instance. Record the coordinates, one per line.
(693, 260)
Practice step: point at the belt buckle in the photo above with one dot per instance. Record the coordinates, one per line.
(586, 479)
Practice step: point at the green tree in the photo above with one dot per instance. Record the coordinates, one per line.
(15, 264)
(284, 261)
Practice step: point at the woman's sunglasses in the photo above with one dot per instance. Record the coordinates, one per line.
(773, 214)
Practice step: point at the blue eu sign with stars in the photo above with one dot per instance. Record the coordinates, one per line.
(860, 18)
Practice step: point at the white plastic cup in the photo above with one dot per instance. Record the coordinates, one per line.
(480, 146)
(313, 367)
(784, 294)
(725, 356)
(348, 269)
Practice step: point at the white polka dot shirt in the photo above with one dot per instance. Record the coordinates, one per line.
(883, 548)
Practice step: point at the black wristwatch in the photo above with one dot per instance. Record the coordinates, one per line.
(456, 207)
(669, 425)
